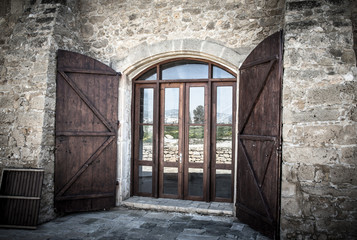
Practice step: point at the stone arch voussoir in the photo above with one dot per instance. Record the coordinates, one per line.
(145, 55)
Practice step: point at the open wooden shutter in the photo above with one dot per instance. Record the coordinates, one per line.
(259, 137)
(86, 130)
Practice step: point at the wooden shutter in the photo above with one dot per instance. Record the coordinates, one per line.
(20, 196)
(259, 137)
(86, 130)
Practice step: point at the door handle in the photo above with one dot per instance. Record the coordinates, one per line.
(180, 157)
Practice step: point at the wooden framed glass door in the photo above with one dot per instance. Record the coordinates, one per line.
(145, 140)
(171, 140)
(222, 155)
(196, 141)
(183, 141)
(183, 131)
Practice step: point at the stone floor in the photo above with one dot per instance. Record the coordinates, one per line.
(124, 223)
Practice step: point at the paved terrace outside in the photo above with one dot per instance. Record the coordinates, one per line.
(185, 223)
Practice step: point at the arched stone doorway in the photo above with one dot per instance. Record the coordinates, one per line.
(141, 58)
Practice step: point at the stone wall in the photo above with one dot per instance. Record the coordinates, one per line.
(112, 28)
(129, 36)
(28, 87)
(319, 186)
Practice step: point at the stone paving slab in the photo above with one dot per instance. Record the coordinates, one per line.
(183, 206)
(123, 223)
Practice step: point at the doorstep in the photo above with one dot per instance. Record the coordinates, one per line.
(177, 205)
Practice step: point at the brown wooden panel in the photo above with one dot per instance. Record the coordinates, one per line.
(86, 129)
(20, 195)
(259, 137)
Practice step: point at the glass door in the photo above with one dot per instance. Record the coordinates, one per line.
(196, 141)
(222, 155)
(183, 138)
(183, 128)
(171, 140)
(144, 145)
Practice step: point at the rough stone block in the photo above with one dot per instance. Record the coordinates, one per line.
(292, 227)
(7, 117)
(306, 172)
(310, 155)
(336, 228)
(290, 207)
(37, 102)
(342, 175)
(30, 119)
(332, 94)
(4, 140)
(6, 101)
(321, 135)
(162, 47)
(302, 5)
(311, 115)
(18, 137)
(328, 189)
(289, 173)
(349, 155)
(288, 189)
(302, 25)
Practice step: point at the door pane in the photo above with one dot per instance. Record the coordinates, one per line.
(171, 141)
(145, 179)
(197, 103)
(224, 105)
(223, 183)
(172, 100)
(195, 182)
(220, 73)
(196, 144)
(145, 143)
(184, 70)
(170, 180)
(224, 145)
(146, 105)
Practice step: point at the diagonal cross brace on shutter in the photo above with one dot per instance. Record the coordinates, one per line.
(271, 63)
(86, 100)
(261, 194)
(85, 166)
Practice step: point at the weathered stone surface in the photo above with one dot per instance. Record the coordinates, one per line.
(27, 95)
(319, 128)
